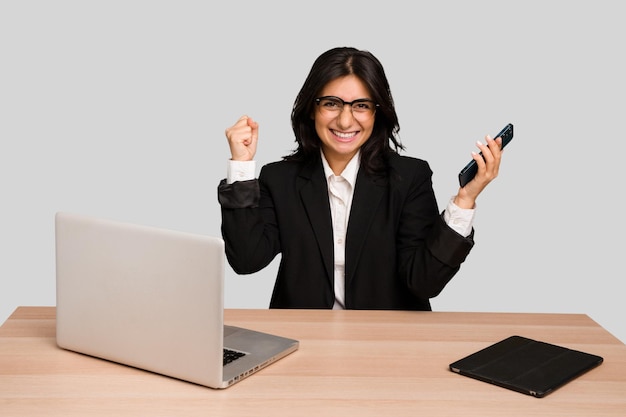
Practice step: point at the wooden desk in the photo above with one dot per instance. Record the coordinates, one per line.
(350, 363)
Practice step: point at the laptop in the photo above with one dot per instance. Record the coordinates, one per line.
(152, 299)
(525, 365)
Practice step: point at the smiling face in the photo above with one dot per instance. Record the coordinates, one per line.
(343, 131)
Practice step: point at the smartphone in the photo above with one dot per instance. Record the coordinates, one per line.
(471, 169)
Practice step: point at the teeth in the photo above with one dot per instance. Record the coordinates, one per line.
(344, 135)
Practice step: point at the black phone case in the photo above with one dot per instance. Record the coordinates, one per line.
(471, 169)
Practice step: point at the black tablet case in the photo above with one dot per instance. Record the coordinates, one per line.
(525, 365)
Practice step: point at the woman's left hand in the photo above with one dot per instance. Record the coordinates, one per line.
(488, 167)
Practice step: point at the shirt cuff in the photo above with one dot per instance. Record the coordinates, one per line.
(459, 219)
(240, 171)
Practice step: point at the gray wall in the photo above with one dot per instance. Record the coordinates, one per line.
(118, 108)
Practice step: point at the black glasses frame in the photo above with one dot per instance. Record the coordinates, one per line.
(350, 103)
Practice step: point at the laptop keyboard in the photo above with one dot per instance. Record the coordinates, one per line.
(231, 355)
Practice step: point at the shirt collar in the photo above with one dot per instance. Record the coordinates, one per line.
(350, 171)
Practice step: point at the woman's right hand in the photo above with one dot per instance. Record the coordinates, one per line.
(242, 139)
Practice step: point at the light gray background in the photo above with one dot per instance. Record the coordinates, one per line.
(118, 108)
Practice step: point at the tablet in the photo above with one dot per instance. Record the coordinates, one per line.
(525, 365)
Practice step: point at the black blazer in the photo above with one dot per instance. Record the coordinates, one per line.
(399, 251)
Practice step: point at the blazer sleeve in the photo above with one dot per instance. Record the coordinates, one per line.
(430, 252)
(249, 230)
(447, 245)
(240, 194)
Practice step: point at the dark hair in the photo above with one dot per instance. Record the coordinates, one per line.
(333, 64)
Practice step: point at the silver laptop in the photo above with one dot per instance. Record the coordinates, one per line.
(152, 299)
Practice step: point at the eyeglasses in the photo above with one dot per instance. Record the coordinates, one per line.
(333, 106)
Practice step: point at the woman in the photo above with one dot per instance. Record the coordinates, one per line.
(357, 224)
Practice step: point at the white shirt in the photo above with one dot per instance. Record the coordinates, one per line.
(340, 192)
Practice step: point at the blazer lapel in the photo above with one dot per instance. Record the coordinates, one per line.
(314, 194)
(365, 201)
